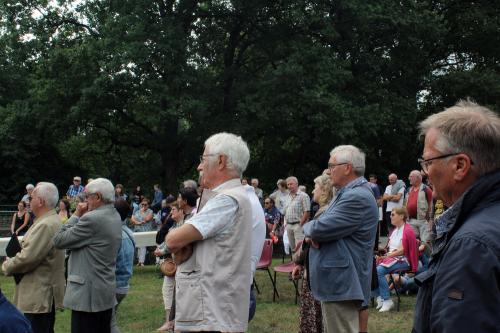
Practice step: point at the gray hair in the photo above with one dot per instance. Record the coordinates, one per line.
(190, 183)
(30, 187)
(417, 174)
(352, 155)
(292, 178)
(233, 147)
(104, 187)
(48, 192)
(468, 128)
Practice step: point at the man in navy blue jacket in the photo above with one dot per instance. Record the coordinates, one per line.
(342, 241)
(460, 292)
(11, 319)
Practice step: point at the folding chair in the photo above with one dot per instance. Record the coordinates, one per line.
(400, 273)
(265, 262)
(285, 268)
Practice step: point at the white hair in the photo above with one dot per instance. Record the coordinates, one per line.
(48, 192)
(190, 183)
(30, 187)
(233, 147)
(350, 154)
(417, 174)
(104, 187)
(292, 178)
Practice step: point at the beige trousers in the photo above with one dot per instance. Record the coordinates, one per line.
(340, 317)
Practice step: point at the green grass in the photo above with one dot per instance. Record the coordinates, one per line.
(142, 309)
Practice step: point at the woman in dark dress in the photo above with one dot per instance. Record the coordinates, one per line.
(20, 220)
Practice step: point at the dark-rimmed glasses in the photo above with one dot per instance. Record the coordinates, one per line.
(424, 164)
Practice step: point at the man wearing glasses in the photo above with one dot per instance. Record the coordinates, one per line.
(93, 234)
(41, 288)
(213, 248)
(342, 239)
(460, 292)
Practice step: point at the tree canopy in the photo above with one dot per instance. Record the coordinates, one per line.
(129, 90)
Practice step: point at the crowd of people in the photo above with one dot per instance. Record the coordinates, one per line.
(442, 230)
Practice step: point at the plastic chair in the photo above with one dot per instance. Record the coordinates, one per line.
(285, 268)
(265, 261)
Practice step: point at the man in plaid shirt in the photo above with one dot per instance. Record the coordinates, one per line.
(296, 211)
(75, 189)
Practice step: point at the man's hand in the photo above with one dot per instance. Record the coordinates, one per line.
(157, 253)
(4, 265)
(297, 270)
(183, 254)
(81, 209)
(314, 244)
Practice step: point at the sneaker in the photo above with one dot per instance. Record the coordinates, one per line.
(380, 301)
(387, 305)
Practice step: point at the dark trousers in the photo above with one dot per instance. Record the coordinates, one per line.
(42, 322)
(388, 224)
(91, 322)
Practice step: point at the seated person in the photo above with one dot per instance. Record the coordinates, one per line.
(402, 254)
(272, 215)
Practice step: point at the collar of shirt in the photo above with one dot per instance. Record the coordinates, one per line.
(228, 184)
(354, 183)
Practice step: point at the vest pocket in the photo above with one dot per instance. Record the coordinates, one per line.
(189, 298)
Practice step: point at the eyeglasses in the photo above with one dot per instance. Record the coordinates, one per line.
(424, 164)
(267, 203)
(144, 204)
(333, 165)
(202, 157)
(88, 195)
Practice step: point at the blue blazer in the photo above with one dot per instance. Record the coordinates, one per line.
(341, 268)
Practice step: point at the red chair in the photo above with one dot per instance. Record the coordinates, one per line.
(265, 261)
(285, 268)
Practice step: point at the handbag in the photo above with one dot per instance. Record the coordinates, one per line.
(168, 267)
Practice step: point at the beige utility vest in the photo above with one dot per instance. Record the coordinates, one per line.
(213, 285)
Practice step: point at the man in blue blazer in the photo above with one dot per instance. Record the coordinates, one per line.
(342, 240)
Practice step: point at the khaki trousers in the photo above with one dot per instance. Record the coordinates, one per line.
(340, 317)
(295, 234)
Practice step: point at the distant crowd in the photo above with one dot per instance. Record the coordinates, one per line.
(442, 226)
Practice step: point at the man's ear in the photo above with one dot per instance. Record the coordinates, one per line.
(462, 167)
(221, 162)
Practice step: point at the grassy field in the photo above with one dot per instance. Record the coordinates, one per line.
(142, 309)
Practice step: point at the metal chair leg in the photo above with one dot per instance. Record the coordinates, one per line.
(256, 286)
(275, 290)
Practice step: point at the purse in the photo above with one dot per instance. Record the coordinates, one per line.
(168, 267)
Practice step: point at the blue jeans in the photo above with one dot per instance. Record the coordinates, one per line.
(383, 286)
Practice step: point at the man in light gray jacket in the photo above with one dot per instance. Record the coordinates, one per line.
(93, 234)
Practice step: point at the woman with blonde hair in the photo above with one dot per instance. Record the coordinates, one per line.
(311, 320)
(401, 253)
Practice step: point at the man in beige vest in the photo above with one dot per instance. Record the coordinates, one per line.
(213, 283)
(41, 289)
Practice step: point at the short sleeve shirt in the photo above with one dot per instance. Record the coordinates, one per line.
(295, 206)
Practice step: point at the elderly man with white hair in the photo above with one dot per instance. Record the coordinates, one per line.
(93, 234)
(419, 205)
(213, 283)
(342, 238)
(41, 265)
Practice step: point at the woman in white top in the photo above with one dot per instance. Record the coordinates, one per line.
(402, 254)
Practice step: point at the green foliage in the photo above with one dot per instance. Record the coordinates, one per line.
(130, 89)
